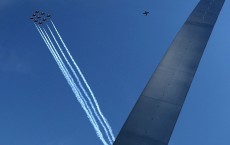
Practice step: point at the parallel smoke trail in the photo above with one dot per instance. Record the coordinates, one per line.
(74, 89)
(88, 87)
(73, 84)
(88, 108)
(59, 60)
(70, 81)
(79, 83)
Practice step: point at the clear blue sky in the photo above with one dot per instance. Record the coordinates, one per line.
(117, 49)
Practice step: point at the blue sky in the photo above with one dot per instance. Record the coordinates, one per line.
(117, 49)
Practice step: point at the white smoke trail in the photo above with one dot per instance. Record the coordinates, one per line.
(88, 87)
(88, 108)
(69, 74)
(79, 82)
(59, 61)
(70, 81)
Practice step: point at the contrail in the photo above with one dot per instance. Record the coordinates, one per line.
(63, 68)
(79, 82)
(68, 74)
(88, 87)
(69, 80)
(71, 76)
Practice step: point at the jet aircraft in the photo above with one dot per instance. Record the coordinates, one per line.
(40, 17)
(145, 13)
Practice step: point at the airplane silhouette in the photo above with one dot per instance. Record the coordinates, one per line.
(145, 13)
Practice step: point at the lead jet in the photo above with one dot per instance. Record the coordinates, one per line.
(145, 13)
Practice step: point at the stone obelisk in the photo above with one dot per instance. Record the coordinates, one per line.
(152, 120)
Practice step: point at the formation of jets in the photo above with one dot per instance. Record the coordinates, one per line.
(40, 17)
